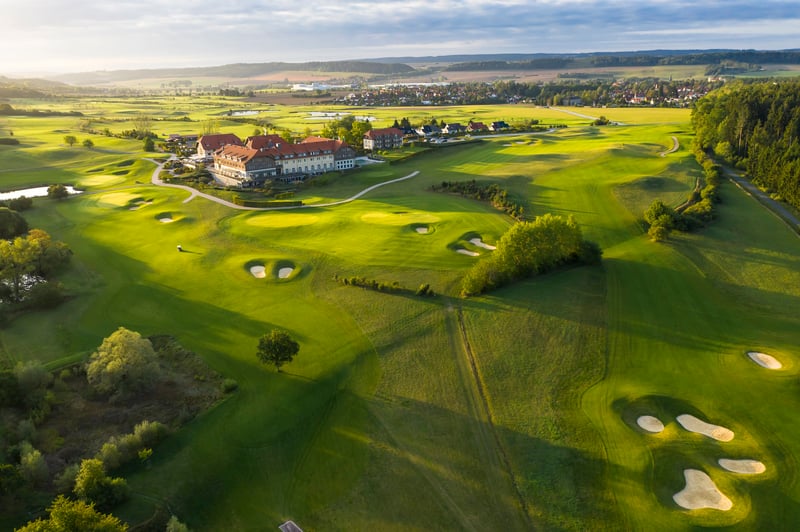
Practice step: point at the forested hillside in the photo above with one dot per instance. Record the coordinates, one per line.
(757, 127)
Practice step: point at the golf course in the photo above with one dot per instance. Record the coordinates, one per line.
(655, 391)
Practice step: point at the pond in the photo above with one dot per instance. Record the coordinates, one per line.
(35, 192)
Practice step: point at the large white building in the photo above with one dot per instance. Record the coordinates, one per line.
(270, 157)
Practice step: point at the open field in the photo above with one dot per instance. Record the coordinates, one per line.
(515, 411)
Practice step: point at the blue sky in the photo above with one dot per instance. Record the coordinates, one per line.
(70, 36)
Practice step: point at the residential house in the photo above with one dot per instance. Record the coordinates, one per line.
(208, 144)
(454, 129)
(477, 127)
(499, 126)
(428, 131)
(383, 139)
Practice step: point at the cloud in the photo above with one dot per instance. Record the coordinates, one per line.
(152, 33)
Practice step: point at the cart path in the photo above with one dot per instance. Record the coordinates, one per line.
(194, 193)
(675, 146)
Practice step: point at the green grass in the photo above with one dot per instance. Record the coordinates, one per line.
(392, 417)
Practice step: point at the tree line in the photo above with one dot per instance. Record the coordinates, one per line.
(755, 126)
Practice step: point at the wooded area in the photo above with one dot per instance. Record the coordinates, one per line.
(756, 127)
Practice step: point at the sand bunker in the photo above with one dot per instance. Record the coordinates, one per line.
(258, 271)
(693, 424)
(650, 423)
(746, 467)
(166, 220)
(764, 360)
(467, 252)
(283, 273)
(422, 230)
(481, 244)
(701, 492)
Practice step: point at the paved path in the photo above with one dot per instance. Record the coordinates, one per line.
(194, 192)
(777, 209)
(675, 146)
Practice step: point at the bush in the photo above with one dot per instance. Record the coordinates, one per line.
(20, 204)
(12, 224)
(32, 466)
(57, 192)
(65, 482)
(93, 485)
(44, 296)
(229, 385)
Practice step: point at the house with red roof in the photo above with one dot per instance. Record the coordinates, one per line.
(383, 139)
(208, 144)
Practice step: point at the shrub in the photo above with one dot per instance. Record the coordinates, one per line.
(57, 192)
(22, 203)
(93, 485)
(44, 296)
(32, 466)
(12, 224)
(65, 481)
(229, 385)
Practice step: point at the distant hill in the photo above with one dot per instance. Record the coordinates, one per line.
(620, 59)
(29, 87)
(237, 70)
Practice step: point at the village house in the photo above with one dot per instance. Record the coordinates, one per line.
(383, 139)
(208, 144)
(270, 157)
(454, 129)
(499, 126)
(428, 131)
(477, 127)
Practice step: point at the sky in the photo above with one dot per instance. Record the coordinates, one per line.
(54, 36)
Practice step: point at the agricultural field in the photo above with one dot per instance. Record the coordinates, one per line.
(522, 409)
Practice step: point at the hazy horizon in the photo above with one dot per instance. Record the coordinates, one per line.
(53, 37)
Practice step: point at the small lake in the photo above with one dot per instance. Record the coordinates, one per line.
(36, 192)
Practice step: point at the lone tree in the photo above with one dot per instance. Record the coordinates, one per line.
(277, 348)
(70, 140)
(125, 362)
(57, 191)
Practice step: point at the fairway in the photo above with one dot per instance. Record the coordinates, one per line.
(612, 397)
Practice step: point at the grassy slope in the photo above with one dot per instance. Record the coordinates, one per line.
(681, 319)
(382, 404)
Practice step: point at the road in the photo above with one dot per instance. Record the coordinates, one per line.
(777, 209)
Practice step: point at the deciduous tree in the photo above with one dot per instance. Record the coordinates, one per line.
(277, 348)
(74, 516)
(124, 363)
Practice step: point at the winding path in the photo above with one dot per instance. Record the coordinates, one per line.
(194, 192)
(673, 149)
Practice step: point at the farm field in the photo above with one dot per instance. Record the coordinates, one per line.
(516, 410)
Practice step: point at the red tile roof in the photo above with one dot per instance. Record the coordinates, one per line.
(215, 142)
(261, 141)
